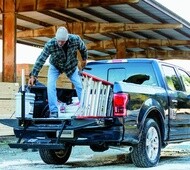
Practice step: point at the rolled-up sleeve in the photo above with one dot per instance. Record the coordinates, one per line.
(40, 61)
(83, 49)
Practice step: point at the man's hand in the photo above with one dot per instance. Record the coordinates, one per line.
(31, 81)
(83, 63)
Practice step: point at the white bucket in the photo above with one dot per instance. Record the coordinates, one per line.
(75, 99)
(29, 104)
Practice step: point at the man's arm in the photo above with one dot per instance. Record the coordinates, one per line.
(84, 52)
(38, 65)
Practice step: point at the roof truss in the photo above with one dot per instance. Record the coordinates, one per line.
(41, 5)
(92, 28)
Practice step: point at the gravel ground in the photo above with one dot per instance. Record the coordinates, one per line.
(174, 157)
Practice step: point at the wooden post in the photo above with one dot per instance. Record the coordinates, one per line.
(121, 49)
(9, 41)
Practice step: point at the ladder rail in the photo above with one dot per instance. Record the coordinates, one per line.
(94, 98)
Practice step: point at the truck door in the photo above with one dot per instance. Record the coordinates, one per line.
(178, 85)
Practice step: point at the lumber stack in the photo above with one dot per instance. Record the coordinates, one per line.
(8, 91)
(7, 105)
(62, 82)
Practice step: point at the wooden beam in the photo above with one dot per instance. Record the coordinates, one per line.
(57, 16)
(1, 6)
(19, 27)
(92, 28)
(41, 32)
(107, 57)
(40, 5)
(112, 44)
(9, 42)
(135, 43)
(160, 54)
(32, 42)
(145, 43)
(32, 20)
(120, 47)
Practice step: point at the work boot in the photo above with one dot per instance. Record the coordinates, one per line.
(53, 115)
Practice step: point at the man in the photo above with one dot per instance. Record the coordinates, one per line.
(62, 50)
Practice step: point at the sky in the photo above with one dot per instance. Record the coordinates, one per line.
(180, 7)
(29, 54)
(24, 54)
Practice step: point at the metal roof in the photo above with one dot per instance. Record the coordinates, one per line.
(145, 11)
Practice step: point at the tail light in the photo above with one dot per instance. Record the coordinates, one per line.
(119, 102)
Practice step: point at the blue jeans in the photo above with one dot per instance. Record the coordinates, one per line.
(53, 75)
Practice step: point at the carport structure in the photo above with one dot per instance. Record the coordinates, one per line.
(110, 28)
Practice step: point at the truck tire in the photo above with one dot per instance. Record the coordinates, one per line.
(57, 157)
(147, 152)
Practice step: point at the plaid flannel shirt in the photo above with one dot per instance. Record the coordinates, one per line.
(66, 63)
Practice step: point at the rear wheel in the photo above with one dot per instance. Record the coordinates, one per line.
(147, 152)
(51, 156)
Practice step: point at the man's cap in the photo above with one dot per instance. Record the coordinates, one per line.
(61, 34)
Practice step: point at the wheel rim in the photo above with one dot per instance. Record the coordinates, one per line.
(61, 153)
(152, 143)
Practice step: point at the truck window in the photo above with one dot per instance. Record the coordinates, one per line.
(116, 74)
(138, 73)
(171, 78)
(185, 79)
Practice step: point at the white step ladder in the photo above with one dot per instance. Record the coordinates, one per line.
(95, 97)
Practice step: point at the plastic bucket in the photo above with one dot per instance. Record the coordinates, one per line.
(75, 100)
(29, 104)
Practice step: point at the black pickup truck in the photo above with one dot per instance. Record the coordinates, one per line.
(147, 107)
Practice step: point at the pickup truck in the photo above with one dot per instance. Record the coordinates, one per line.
(147, 108)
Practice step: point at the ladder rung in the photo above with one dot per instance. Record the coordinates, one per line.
(94, 98)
